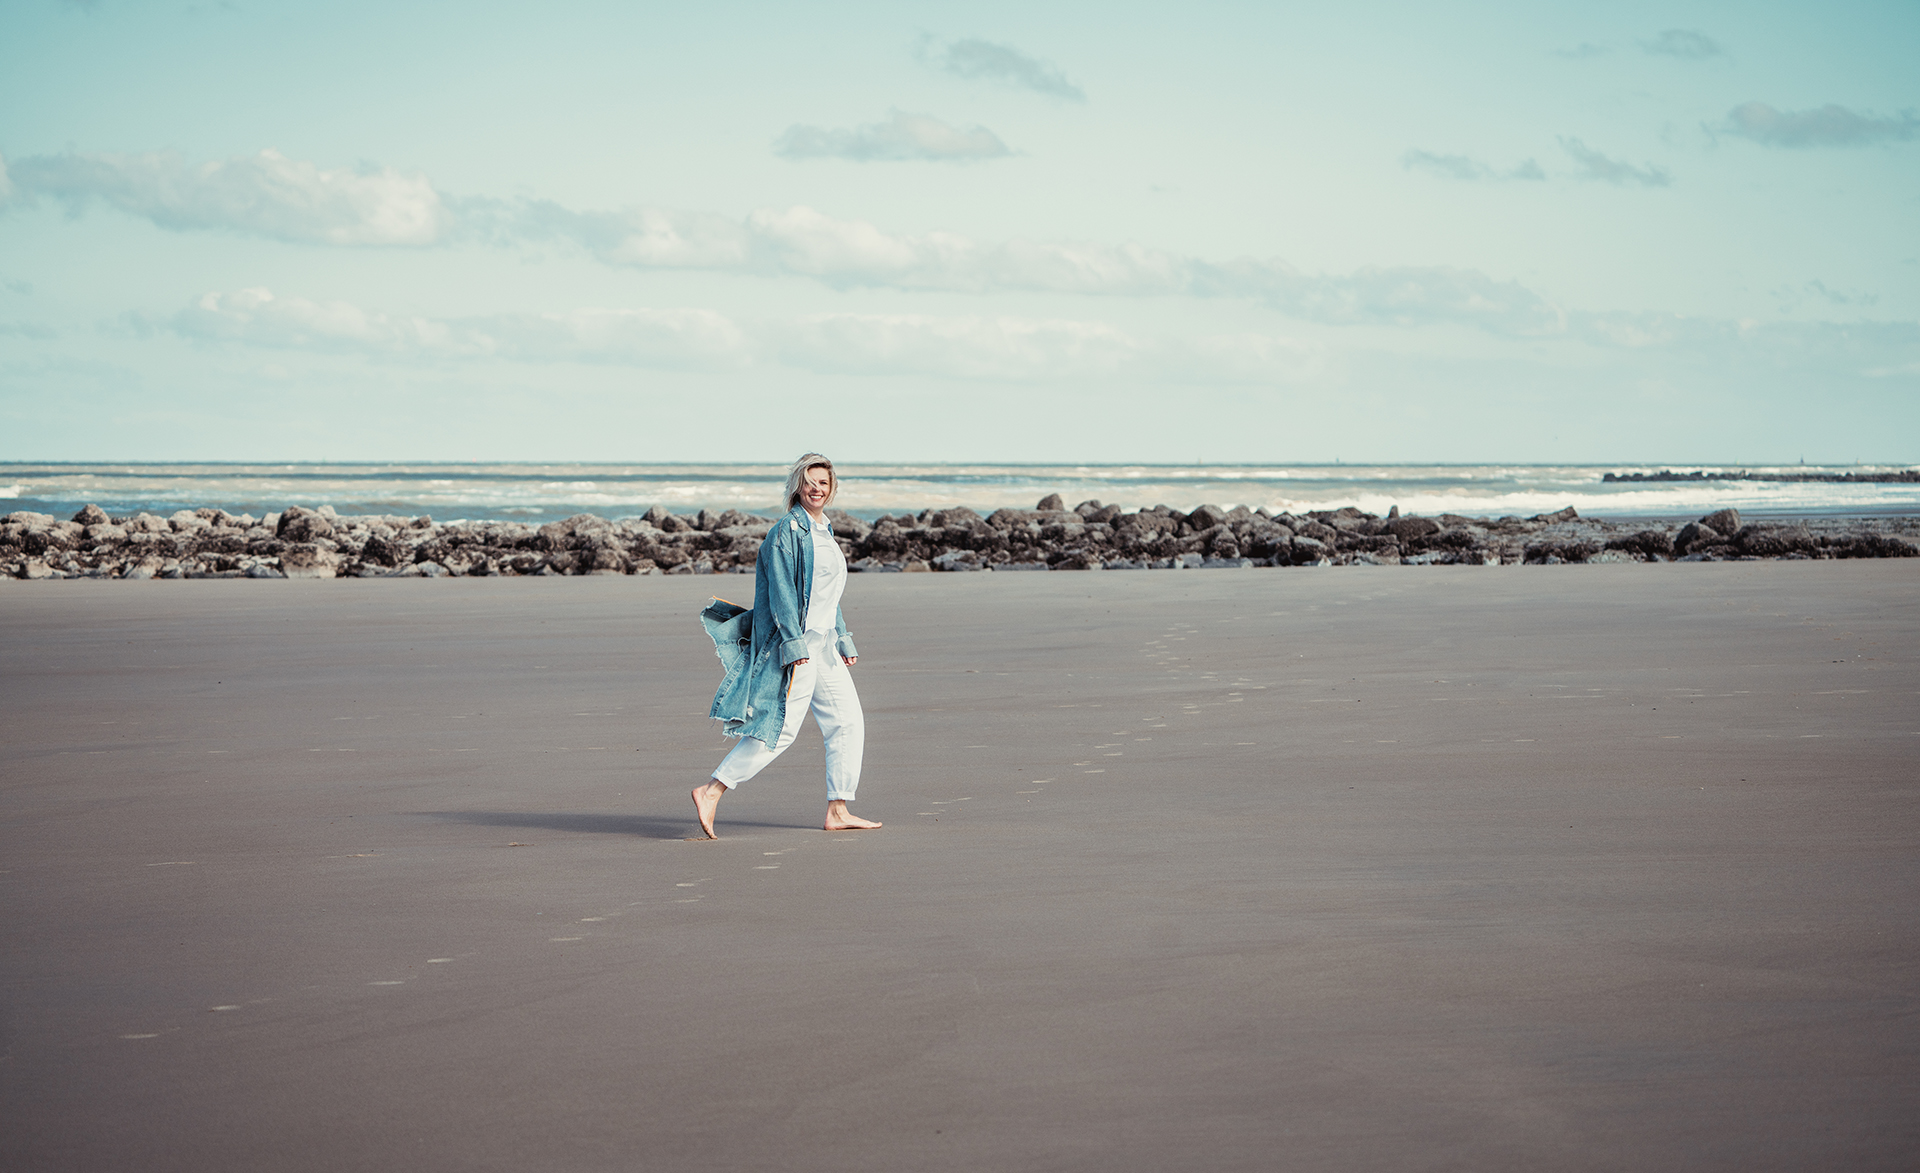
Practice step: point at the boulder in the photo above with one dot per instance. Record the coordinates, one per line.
(1206, 517)
(1648, 544)
(1722, 521)
(1695, 533)
(1408, 528)
(1771, 541)
(297, 525)
(1567, 514)
(91, 515)
(306, 560)
(186, 521)
(1052, 503)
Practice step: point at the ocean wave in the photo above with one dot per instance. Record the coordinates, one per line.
(545, 491)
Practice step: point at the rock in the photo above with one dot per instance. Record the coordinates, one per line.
(298, 525)
(1722, 521)
(1765, 541)
(846, 525)
(1309, 549)
(958, 560)
(384, 551)
(91, 515)
(186, 521)
(305, 560)
(1648, 544)
(430, 569)
(259, 570)
(36, 569)
(1206, 517)
(1007, 566)
(1567, 514)
(105, 532)
(1408, 528)
(916, 567)
(1695, 533)
(1612, 556)
(1393, 511)
(1052, 503)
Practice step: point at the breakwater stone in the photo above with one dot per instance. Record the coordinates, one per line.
(301, 542)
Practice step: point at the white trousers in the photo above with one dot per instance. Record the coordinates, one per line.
(825, 685)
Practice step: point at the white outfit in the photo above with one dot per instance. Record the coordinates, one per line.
(822, 684)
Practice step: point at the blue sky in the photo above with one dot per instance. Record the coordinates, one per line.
(1075, 231)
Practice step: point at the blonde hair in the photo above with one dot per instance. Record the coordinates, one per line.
(797, 478)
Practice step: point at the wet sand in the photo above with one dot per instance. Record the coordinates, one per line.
(1582, 867)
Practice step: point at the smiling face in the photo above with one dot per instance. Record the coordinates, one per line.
(816, 488)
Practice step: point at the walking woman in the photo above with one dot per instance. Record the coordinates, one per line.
(796, 658)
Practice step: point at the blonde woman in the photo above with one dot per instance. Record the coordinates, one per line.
(795, 659)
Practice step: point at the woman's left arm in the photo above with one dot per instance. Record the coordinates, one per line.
(844, 642)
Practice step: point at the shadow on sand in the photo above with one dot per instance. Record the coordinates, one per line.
(642, 826)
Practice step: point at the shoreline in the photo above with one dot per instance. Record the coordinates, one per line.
(320, 543)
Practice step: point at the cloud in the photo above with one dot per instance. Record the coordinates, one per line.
(1829, 126)
(1594, 165)
(266, 194)
(956, 347)
(1688, 44)
(902, 137)
(975, 59)
(1461, 167)
(646, 337)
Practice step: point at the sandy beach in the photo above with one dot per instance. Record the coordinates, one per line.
(1568, 867)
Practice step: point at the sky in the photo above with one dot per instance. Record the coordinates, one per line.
(1113, 232)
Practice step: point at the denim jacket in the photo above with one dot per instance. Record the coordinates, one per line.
(757, 648)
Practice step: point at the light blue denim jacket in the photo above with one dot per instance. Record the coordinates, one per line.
(757, 654)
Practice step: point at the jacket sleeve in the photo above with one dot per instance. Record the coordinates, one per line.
(782, 549)
(845, 643)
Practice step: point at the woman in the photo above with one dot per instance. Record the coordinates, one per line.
(797, 657)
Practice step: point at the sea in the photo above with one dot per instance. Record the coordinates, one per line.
(544, 492)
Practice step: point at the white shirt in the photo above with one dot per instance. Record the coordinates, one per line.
(829, 581)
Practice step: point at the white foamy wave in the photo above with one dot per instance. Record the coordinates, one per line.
(543, 491)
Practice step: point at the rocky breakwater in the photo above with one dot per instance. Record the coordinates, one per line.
(320, 543)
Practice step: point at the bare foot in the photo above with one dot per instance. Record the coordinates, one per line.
(839, 818)
(706, 800)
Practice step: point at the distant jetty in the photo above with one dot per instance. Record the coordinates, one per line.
(320, 543)
(1905, 476)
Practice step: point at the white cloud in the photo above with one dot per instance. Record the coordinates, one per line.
(1594, 165)
(954, 347)
(1829, 126)
(644, 337)
(272, 196)
(1688, 44)
(974, 58)
(902, 137)
(1462, 167)
(266, 194)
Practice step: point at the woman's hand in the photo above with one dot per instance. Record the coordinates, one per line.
(798, 662)
(852, 660)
